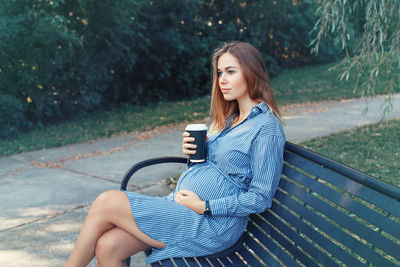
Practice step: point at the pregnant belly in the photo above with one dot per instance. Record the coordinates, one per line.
(206, 182)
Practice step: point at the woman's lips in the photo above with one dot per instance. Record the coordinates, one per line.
(225, 90)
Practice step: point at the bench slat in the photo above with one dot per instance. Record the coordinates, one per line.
(225, 262)
(352, 205)
(191, 262)
(297, 245)
(341, 218)
(248, 257)
(203, 262)
(261, 253)
(167, 263)
(355, 175)
(215, 262)
(155, 264)
(314, 235)
(332, 230)
(236, 261)
(346, 183)
(270, 245)
(180, 262)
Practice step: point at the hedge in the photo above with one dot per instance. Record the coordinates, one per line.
(61, 58)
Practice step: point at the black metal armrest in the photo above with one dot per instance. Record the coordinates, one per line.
(149, 162)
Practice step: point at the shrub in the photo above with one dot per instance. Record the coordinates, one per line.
(173, 59)
(12, 116)
(279, 29)
(73, 57)
(35, 56)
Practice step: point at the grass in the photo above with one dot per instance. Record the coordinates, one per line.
(373, 149)
(316, 83)
(307, 84)
(101, 124)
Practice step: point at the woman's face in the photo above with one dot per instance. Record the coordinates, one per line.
(231, 79)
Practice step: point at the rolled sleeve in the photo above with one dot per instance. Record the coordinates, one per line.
(266, 160)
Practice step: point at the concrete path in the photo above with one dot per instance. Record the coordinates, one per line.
(45, 195)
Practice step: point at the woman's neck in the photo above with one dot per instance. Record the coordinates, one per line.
(245, 107)
(244, 110)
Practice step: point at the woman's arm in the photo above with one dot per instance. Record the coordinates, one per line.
(266, 160)
(190, 200)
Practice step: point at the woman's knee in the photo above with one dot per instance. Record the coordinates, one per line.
(106, 247)
(106, 201)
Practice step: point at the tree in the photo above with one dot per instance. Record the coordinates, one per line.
(277, 28)
(67, 58)
(369, 33)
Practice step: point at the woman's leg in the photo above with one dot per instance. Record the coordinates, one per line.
(115, 246)
(110, 209)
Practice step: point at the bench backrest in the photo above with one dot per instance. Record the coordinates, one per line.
(325, 213)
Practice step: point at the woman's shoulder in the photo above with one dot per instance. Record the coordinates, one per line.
(268, 124)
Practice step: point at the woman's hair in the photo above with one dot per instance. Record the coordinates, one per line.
(258, 84)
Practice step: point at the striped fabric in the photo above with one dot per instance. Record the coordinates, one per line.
(239, 177)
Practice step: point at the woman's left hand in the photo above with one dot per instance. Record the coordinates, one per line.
(190, 200)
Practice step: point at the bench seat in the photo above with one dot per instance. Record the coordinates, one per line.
(323, 214)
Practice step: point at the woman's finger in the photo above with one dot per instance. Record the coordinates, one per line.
(189, 151)
(189, 146)
(187, 140)
(184, 192)
(177, 197)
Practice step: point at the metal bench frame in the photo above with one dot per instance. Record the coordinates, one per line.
(323, 213)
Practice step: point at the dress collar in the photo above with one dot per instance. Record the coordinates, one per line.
(260, 108)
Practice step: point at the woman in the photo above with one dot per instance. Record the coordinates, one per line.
(240, 177)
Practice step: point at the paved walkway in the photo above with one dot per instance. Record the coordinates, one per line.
(45, 195)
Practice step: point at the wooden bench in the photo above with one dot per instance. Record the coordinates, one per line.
(323, 214)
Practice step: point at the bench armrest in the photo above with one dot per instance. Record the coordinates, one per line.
(149, 162)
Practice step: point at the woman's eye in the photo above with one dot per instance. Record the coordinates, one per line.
(231, 71)
(219, 73)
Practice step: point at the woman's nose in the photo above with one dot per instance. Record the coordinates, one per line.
(222, 78)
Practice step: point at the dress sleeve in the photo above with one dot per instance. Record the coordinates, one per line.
(266, 160)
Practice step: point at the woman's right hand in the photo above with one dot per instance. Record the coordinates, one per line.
(187, 148)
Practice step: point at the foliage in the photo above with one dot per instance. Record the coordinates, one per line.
(35, 54)
(61, 58)
(369, 32)
(299, 85)
(12, 117)
(172, 59)
(279, 29)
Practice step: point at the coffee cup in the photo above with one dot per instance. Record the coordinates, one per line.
(199, 132)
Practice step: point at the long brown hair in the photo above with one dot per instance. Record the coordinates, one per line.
(258, 83)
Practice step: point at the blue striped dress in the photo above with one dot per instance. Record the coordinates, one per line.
(239, 177)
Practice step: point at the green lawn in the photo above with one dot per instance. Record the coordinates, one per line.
(372, 149)
(301, 85)
(120, 121)
(316, 83)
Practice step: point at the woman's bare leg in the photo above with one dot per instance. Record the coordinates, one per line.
(115, 246)
(110, 209)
